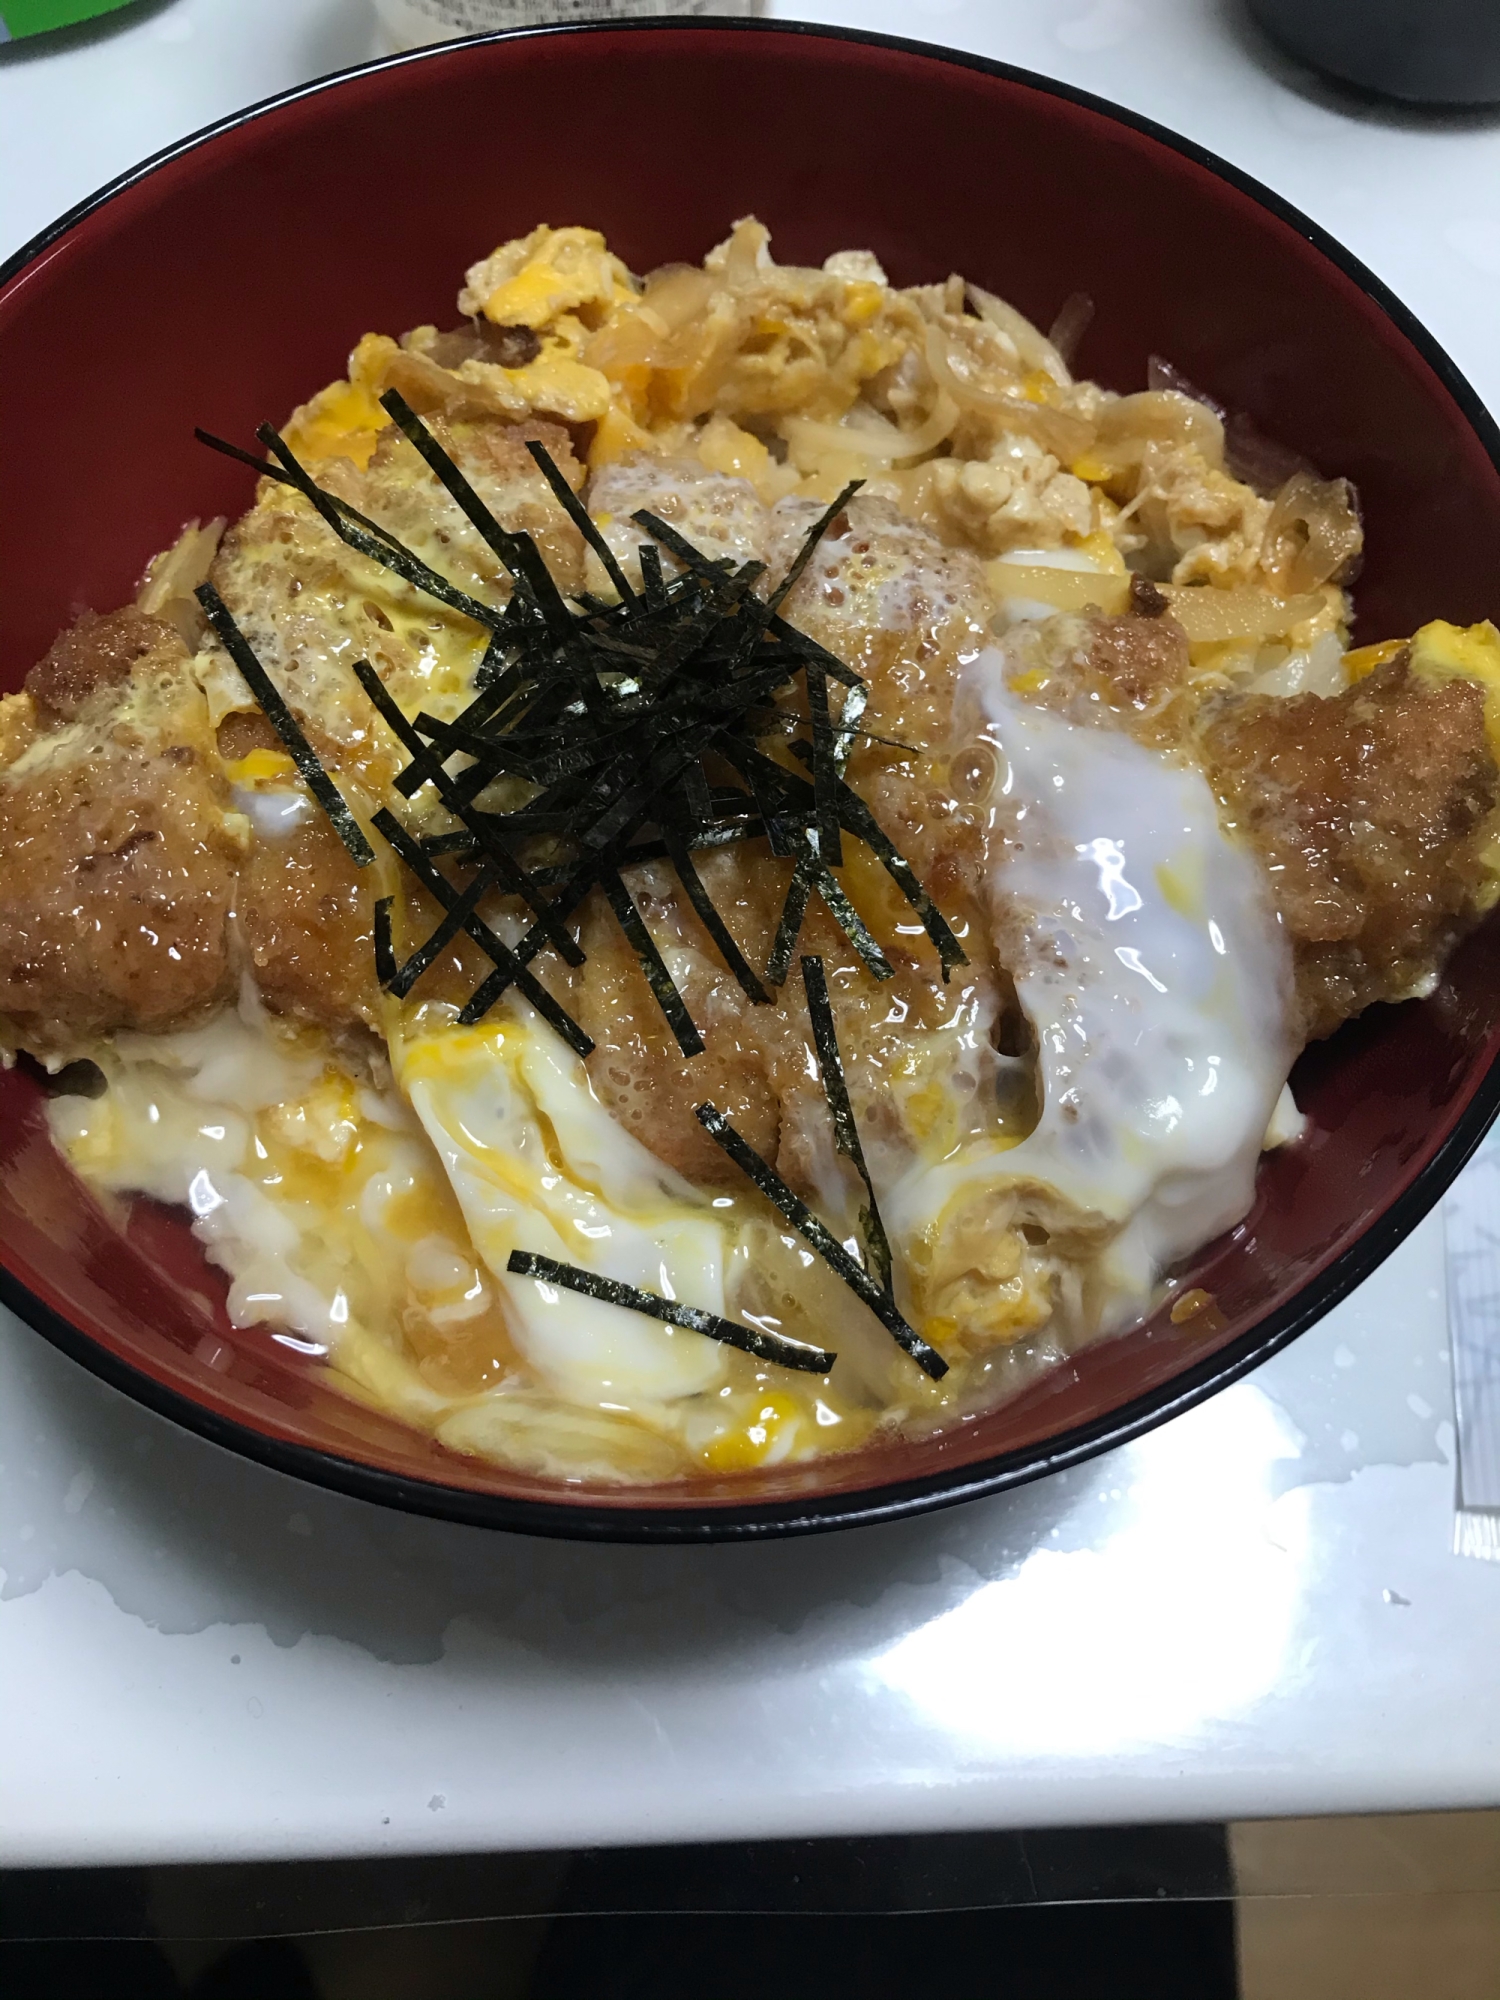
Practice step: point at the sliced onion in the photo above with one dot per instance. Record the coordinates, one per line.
(171, 578)
(1249, 455)
(677, 292)
(1159, 416)
(1067, 437)
(1257, 460)
(874, 444)
(1161, 374)
(639, 336)
(432, 390)
(1314, 533)
(1061, 589)
(742, 260)
(1318, 670)
(1033, 346)
(631, 339)
(1074, 318)
(1211, 616)
(963, 388)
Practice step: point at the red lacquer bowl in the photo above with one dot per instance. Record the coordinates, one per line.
(220, 283)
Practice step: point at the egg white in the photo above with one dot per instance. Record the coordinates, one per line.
(538, 1164)
(1155, 978)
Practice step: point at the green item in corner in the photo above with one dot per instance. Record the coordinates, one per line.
(33, 17)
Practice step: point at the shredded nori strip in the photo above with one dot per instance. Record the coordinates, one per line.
(714, 924)
(852, 924)
(509, 968)
(822, 1239)
(652, 580)
(621, 719)
(653, 965)
(358, 531)
(856, 818)
(856, 700)
(859, 820)
(697, 1319)
(877, 1245)
(519, 553)
(825, 771)
(696, 798)
(610, 715)
(455, 920)
(815, 535)
(582, 520)
(385, 950)
(793, 914)
(274, 708)
(508, 871)
(711, 568)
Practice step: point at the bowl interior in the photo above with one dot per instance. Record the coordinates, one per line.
(225, 285)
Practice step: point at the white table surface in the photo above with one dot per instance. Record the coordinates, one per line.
(1254, 1610)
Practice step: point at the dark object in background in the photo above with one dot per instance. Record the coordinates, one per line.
(1085, 1951)
(1422, 51)
(1064, 1913)
(1080, 1951)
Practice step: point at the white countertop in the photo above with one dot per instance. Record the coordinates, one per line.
(1253, 1610)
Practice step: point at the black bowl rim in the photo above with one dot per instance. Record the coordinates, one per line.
(596, 1520)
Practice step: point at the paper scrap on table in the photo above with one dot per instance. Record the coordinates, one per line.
(1471, 1222)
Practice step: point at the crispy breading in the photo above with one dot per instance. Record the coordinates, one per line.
(304, 917)
(19, 722)
(1117, 673)
(1368, 810)
(309, 605)
(94, 654)
(117, 860)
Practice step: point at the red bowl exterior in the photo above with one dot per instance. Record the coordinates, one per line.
(222, 282)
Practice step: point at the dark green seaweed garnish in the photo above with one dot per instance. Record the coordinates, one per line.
(693, 887)
(286, 725)
(501, 863)
(598, 740)
(582, 520)
(509, 968)
(405, 977)
(358, 531)
(653, 965)
(825, 771)
(822, 1239)
(519, 553)
(876, 1243)
(750, 1339)
(598, 737)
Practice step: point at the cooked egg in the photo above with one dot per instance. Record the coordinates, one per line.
(1150, 966)
(532, 280)
(378, 1239)
(186, 1120)
(538, 1164)
(1440, 651)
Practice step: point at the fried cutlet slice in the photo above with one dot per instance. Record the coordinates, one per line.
(118, 854)
(310, 606)
(1131, 672)
(1368, 810)
(305, 919)
(887, 597)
